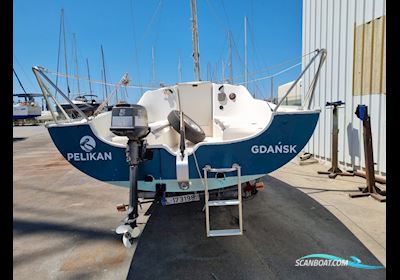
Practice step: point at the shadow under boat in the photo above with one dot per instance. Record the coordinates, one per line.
(282, 224)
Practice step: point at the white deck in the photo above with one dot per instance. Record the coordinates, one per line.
(221, 121)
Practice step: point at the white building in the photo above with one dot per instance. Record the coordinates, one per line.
(354, 34)
(294, 97)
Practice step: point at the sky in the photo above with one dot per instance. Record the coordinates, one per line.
(128, 31)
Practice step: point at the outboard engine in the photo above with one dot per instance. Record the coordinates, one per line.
(130, 120)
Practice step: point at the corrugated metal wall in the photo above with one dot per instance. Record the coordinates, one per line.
(331, 24)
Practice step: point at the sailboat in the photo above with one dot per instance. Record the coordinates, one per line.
(224, 124)
(28, 108)
(85, 102)
(192, 126)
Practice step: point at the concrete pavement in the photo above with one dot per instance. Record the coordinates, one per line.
(64, 221)
(365, 217)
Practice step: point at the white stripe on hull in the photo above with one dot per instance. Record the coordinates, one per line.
(195, 184)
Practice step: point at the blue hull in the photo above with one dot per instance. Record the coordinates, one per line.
(17, 117)
(281, 141)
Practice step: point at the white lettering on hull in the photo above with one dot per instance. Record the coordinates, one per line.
(274, 149)
(89, 156)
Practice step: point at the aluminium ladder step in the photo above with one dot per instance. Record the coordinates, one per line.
(223, 202)
(226, 202)
(221, 170)
(225, 232)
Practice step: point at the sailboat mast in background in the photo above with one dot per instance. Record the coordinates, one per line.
(104, 72)
(245, 51)
(90, 84)
(195, 39)
(76, 62)
(179, 69)
(230, 58)
(153, 63)
(65, 52)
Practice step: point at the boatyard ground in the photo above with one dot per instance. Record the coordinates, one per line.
(64, 224)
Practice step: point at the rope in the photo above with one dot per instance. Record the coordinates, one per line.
(27, 77)
(123, 82)
(252, 39)
(136, 48)
(273, 75)
(280, 64)
(92, 81)
(269, 106)
(146, 32)
(198, 169)
(19, 81)
(274, 66)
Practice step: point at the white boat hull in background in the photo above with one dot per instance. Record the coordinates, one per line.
(46, 116)
(26, 111)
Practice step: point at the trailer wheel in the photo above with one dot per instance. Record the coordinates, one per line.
(193, 132)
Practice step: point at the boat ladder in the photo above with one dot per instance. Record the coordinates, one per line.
(230, 202)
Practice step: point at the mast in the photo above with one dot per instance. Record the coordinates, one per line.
(65, 52)
(245, 51)
(272, 88)
(58, 56)
(104, 72)
(90, 85)
(230, 58)
(223, 70)
(76, 62)
(102, 78)
(179, 69)
(153, 65)
(195, 40)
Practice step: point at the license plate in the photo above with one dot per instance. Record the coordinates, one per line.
(182, 199)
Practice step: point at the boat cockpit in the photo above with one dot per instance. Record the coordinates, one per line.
(224, 112)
